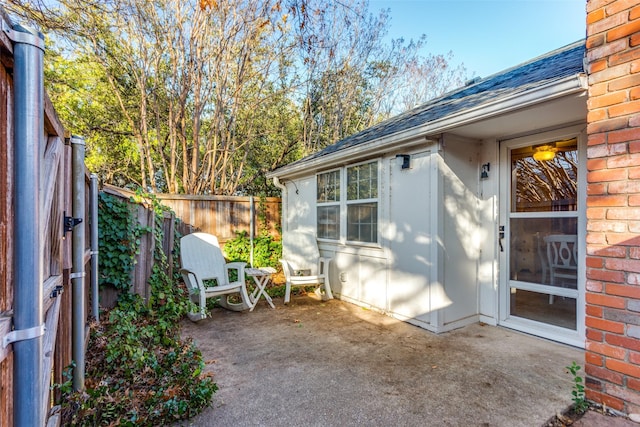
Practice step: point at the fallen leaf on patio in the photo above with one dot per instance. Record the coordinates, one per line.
(296, 321)
(434, 366)
(209, 362)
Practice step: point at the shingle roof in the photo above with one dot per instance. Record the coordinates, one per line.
(553, 66)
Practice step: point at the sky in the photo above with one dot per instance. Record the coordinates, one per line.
(487, 36)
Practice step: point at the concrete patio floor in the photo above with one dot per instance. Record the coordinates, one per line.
(314, 363)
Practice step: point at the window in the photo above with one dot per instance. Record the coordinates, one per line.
(359, 207)
(328, 205)
(362, 203)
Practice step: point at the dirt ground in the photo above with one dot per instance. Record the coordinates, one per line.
(314, 363)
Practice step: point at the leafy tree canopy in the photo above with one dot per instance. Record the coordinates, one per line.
(205, 96)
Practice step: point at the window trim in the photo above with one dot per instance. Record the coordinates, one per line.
(344, 203)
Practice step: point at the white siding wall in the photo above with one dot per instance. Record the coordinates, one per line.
(434, 264)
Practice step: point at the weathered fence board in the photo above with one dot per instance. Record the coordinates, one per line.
(222, 216)
(218, 215)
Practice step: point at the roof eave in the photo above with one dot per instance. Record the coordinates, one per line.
(502, 105)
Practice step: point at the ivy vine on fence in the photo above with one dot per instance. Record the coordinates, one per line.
(139, 371)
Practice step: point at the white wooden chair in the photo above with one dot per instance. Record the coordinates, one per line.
(303, 265)
(206, 274)
(562, 256)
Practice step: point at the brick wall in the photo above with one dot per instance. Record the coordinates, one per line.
(613, 204)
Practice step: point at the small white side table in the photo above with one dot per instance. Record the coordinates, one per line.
(261, 277)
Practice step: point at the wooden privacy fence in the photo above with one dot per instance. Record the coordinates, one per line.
(55, 196)
(222, 216)
(218, 215)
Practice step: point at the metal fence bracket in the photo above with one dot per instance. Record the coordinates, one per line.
(23, 334)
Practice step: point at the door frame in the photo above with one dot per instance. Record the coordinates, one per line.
(556, 333)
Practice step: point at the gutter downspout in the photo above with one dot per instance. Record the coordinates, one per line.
(28, 319)
(283, 220)
(95, 308)
(77, 254)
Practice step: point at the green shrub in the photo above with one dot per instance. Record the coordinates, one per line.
(266, 251)
(138, 370)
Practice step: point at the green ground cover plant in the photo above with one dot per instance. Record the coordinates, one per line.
(138, 370)
(266, 250)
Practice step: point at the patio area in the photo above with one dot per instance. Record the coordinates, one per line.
(333, 363)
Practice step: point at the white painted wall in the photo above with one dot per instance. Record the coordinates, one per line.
(434, 224)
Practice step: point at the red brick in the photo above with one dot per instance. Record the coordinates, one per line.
(607, 251)
(594, 359)
(623, 161)
(606, 150)
(607, 175)
(592, 5)
(622, 392)
(624, 82)
(634, 200)
(624, 135)
(634, 121)
(596, 189)
(598, 89)
(623, 367)
(633, 384)
(605, 275)
(597, 115)
(606, 100)
(623, 31)
(634, 40)
(607, 125)
(623, 290)
(623, 187)
(607, 350)
(596, 238)
(623, 213)
(634, 253)
(629, 265)
(634, 358)
(634, 173)
(598, 66)
(635, 67)
(596, 213)
(612, 201)
(604, 399)
(604, 325)
(623, 239)
(594, 335)
(623, 342)
(594, 311)
(627, 108)
(634, 146)
(634, 226)
(606, 300)
(594, 262)
(597, 139)
(608, 23)
(619, 6)
(595, 16)
(596, 164)
(604, 374)
(634, 93)
(635, 13)
(616, 226)
(594, 286)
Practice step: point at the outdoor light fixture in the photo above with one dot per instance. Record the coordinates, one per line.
(545, 152)
(485, 171)
(404, 160)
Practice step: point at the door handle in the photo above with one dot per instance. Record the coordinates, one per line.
(500, 237)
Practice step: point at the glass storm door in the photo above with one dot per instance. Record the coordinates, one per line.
(539, 243)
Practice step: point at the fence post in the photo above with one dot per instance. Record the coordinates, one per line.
(77, 271)
(95, 308)
(28, 318)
